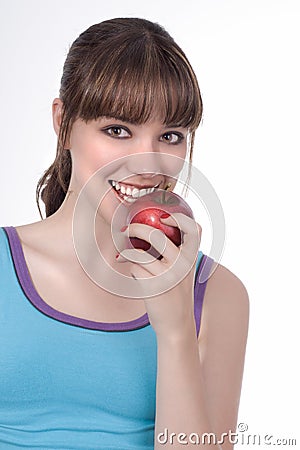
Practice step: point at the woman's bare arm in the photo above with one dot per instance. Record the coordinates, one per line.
(199, 381)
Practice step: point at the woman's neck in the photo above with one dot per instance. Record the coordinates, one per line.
(86, 236)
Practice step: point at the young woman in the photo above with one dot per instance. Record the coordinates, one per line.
(83, 367)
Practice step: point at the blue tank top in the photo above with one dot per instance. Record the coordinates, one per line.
(71, 383)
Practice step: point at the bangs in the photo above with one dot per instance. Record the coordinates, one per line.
(140, 81)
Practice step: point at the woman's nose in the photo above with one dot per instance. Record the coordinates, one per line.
(147, 159)
(146, 163)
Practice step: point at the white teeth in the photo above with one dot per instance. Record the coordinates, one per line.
(129, 199)
(135, 193)
(131, 194)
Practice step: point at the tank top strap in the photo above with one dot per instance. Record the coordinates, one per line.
(204, 264)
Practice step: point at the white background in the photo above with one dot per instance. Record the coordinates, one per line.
(246, 57)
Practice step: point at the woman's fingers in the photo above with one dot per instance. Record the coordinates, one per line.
(182, 221)
(176, 260)
(155, 237)
(144, 264)
(191, 231)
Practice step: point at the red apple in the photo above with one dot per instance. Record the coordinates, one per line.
(148, 210)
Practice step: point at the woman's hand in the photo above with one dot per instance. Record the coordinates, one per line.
(171, 309)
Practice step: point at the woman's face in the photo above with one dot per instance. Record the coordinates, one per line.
(133, 159)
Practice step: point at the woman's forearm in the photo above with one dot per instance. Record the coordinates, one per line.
(181, 413)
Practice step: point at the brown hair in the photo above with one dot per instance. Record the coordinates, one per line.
(125, 68)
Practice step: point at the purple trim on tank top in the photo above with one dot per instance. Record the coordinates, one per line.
(200, 286)
(35, 299)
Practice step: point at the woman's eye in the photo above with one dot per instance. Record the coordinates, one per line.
(117, 132)
(172, 138)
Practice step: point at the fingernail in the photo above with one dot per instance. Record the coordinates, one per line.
(124, 228)
(117, 255)
(165, 215)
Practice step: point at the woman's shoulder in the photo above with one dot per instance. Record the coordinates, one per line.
(39, 236)
(29, 232)
(12, 236)
(36, 240)
(226, 305)
(224, 283)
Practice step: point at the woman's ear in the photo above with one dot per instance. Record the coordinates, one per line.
(57, 111)
(57, 106)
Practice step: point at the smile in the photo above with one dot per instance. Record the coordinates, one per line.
(130, 193)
